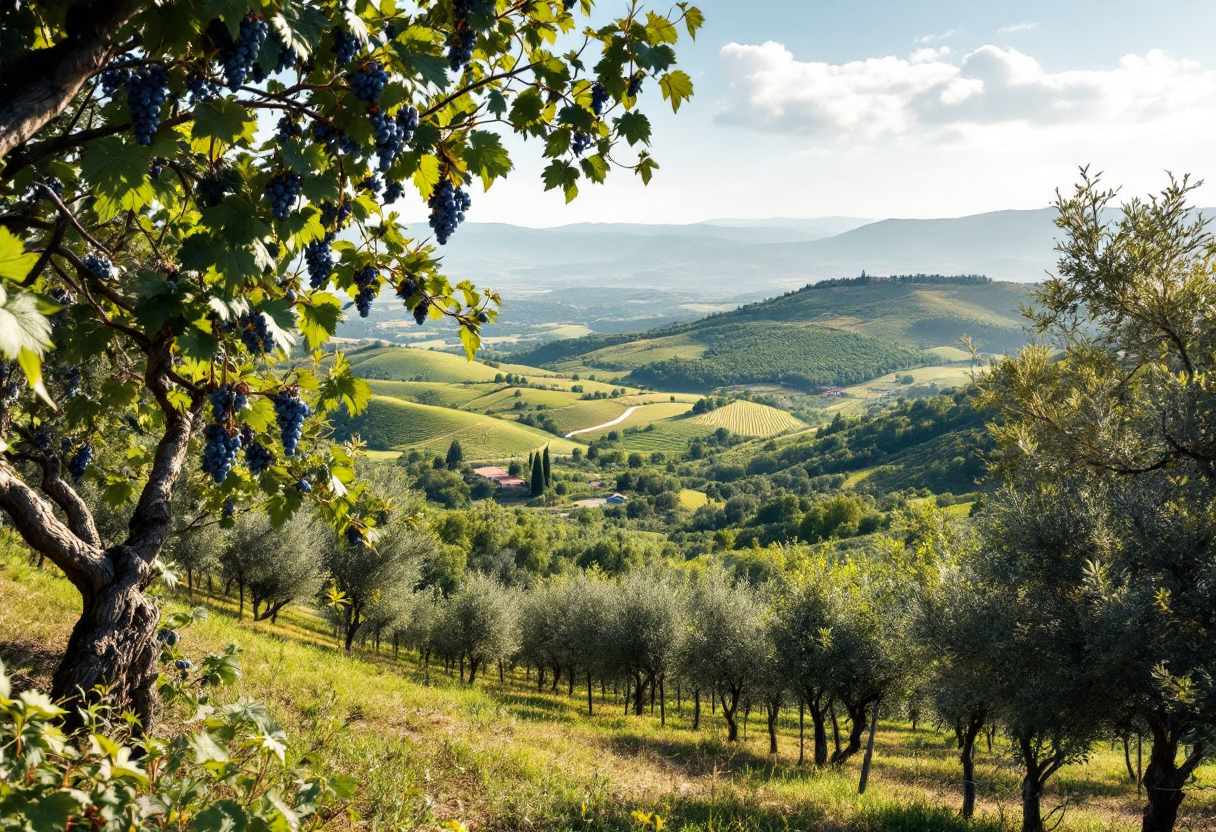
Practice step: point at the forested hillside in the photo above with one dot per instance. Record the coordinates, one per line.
(818, 335)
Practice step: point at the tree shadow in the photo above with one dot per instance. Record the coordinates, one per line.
(29, 665)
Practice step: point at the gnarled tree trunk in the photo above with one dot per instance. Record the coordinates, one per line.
(1164, 779)
(114, 643)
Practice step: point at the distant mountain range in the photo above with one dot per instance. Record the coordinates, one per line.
(731, 258)
(621, 277)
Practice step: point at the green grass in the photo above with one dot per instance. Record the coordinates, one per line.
(669, 436)
(749, 419)
(425, 750)
(440, 393)
(406, 364)
(693, 500)
(391, 424)
(644, 415)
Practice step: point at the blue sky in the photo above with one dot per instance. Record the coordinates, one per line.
(910, 108)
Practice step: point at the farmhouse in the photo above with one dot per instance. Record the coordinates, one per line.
(499, 476)
(833, 392)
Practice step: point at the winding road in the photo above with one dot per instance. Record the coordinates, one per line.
(615, 421)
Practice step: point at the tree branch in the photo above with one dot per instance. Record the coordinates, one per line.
(39, 85)
(152, 520)
(80, 519)
(85, 565)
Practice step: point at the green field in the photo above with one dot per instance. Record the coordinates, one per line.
(406, 364)
(669, 436)
(442, 394)
(749, 419)
(641, 417)
(392, 424)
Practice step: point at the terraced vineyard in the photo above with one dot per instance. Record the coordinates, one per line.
(749, 419)
(392, 424)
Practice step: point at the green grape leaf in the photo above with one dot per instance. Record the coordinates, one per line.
(118, 173)
(15, 261)
(560, 174)
(634, 128)
(223, 120)
(677, 87)
(486, 157)
(471, 340)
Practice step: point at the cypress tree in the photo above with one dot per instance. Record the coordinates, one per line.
(547, 469)
(538, 476)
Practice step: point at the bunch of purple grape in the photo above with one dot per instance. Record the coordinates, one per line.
(98, 266)
(448, 206)
(290, 411)
(79, 459)
(257, 457)
(368, 82)
(599, 98)
(146, 89)
(345, 47)
(367, 279)
(239, 57)
(255, 333)
(283, 189)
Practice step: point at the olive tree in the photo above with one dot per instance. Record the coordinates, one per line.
(1130, 399)
(725, 642)
(183, 187)
(478, 624)
(363, 573)
(644, 632)
(275, 565)
(1035, 601)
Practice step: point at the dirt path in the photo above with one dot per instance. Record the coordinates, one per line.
(615, 421)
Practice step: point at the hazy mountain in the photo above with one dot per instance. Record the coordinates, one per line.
(725, 259)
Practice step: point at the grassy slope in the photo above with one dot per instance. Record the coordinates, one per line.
(405, 364)
(392, 424)
(509, 758)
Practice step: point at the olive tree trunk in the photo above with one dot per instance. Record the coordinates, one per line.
(1164, 779)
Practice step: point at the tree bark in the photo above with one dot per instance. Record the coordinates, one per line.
(590, 702)
(773, 706)
(662, 704)
(857, 727)
(696, 710)
(38, 86)
(728, 711)
(1164, 780)
(967, 735)
(472, 670)
(114, 644)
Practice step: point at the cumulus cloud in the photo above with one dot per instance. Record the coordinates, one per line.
(1017, 27)
(929, 92)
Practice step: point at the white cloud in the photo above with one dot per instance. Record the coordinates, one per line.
(942, 36)
(1017, 27)
(928, 93)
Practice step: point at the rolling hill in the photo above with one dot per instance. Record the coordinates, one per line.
(390, 424)
(818, 335)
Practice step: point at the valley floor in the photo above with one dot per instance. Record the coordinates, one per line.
(505, 756)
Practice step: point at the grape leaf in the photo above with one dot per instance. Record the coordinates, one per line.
(15, 261)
